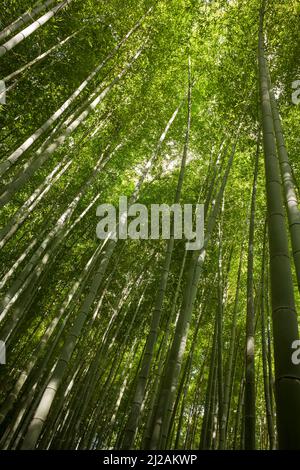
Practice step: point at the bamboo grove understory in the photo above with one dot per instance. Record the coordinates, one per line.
(143, 344)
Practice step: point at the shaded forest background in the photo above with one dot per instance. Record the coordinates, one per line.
(142, 344)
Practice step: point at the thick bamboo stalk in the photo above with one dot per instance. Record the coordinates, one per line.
(285, 325)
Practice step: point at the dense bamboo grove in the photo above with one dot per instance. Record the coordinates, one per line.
(142, 344)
